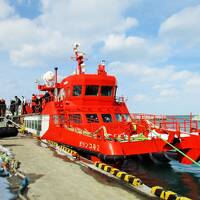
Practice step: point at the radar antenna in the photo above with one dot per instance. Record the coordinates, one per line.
(79, 56)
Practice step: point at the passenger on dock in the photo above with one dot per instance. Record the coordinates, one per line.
(2, 107)
(17, 105)
(12, 107)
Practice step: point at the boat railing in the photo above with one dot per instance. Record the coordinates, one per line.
(110, 131)
(177, 123)
(90, 129)
(120, 99)
(152, 117)
(38, 104)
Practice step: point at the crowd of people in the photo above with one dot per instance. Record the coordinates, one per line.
(20, 106)
(15, 107)
(37, 102)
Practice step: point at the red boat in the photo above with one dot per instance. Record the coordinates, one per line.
(84, 113)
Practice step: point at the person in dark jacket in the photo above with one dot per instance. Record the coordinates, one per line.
(12, 107)
(2, 107)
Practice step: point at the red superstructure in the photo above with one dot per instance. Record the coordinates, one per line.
(83, 112)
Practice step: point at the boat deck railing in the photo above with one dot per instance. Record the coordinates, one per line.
(100, 132)
(173, 122)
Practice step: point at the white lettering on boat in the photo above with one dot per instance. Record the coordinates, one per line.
(90, 146)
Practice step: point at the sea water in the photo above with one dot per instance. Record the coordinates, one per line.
(174, 176)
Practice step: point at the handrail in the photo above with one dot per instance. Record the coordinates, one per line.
(177, 123)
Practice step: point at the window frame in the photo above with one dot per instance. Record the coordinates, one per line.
(79, 90)
(106, 86)
(76, 120)
(103, 116)
(120, 115)
(97, 90)
(89, 120)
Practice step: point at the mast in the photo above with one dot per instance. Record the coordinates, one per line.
(80, 60)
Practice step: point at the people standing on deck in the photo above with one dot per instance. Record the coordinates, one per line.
(17, 105)
(34, 103)
(24, 104)
(46, 96)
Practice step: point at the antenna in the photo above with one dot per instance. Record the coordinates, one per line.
(79, 56)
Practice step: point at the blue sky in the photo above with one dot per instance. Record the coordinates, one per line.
(151, 46)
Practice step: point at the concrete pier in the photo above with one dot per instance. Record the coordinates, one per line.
(52, 177)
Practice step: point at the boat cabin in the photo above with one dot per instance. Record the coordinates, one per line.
(86, 100)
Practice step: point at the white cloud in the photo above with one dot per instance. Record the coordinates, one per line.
(144, 72)
(120, 42)
(126, 24)
(152, 74)
(159, 84)
(165, 90)
(31, 41)
(48, 37)
(133, 48)
(30, 54)
(182, 28)
(16, 32)
(193, 83)
(5, 10)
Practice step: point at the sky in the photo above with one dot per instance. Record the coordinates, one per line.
(151, 46)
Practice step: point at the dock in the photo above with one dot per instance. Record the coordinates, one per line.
(53, 177)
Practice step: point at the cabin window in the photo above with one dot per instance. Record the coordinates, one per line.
(76, 118)
(127, 117)
(56, 119)
(118, 117)
(36, 124)
(62, 119)
(32, 124)
(39, 125)
(106, 91)
(91, 90)
(29, 123)
(92, 118)
(77, 90)
(106, 118)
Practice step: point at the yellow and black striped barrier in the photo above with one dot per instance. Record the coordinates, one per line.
(166, 195)
(70, 151)
(65, 149)
(53, 143)
(156, 190)
(119, 174)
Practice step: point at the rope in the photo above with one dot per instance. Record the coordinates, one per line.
(178, 150)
